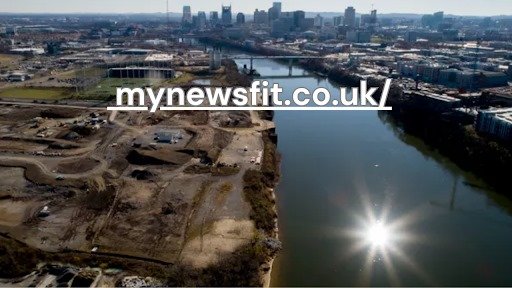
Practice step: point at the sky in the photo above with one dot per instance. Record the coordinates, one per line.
(457, 7)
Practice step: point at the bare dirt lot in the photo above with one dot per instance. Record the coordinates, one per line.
(108, 183)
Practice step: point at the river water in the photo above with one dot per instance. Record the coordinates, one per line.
(362, 204)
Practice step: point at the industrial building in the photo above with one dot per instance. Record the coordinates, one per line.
(359, 36)
(433, 72)
(434, 102)
(168, 137)
(141, 72)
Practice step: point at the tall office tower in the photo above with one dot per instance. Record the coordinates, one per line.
(373, 18)
(278, 6)
(240, 18)
(201, 20)
(227, 17)
(298, 18)
(214, 18)
(350, 17)
(275, 11)
(369, 20)
(187, 15)
(260, 17)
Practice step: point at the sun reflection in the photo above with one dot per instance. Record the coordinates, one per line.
(378, 235)
(383, 240)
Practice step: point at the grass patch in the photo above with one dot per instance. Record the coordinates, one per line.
(106, 88)
(7, 58)
(225, 171)
(198, 198)
(190, 232)
(9, 61)
(223, 192)
(87, 72)
(185, 78)
(240, 269)
(36, 93)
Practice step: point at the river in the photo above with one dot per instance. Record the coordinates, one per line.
(362, 204)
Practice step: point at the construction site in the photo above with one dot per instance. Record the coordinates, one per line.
(141, 194)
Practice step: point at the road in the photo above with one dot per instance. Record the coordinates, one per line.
(31, 104)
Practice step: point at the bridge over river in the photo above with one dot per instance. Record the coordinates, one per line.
(290, 59)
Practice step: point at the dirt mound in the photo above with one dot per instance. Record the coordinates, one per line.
(70, 136)
(19, 114)
(236, 119)
(220, 170)
(198, 169)
(83, 130)
(77, 166)
(157, 157)
(142, 174)
(59, 113)
(63, 146)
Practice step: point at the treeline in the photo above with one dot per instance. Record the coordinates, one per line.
(488, 159)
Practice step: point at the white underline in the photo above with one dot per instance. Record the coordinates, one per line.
(276, 108)
(127, 108)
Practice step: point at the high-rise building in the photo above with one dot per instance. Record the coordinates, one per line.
(433, 20)
(278, 6)
(240, 18)
(281, 27)
(338, 21)
(307, 24)
(227, 16)
(374, 16)
(319, 21)
(275, 11)
(298, 18)
(439, 16)
(187, 15)
(260, 17)
(358, 36)
(350, 17)
(214, 18)
(369, 20)
(201, 20)
(215, 59)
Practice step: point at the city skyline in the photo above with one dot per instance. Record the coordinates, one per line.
(455, 7)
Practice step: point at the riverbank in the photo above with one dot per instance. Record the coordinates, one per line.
(331, 159)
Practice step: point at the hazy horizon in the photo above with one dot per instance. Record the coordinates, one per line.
(455, 7)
